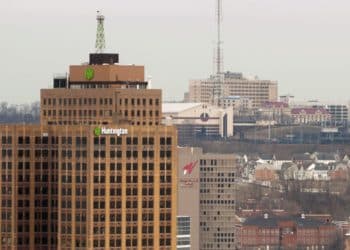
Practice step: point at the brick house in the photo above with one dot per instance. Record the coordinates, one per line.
(265, 173)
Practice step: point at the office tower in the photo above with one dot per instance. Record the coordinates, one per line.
(234, 84)
(99, 172)
(206, 194)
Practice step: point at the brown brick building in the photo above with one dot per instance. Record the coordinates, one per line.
(99, 172)
(286, 232)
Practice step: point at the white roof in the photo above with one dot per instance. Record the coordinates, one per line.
(172, 107)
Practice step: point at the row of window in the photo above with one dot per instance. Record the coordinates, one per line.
(83, 140)
(77, 113)
(137, 113)
(139, 101)
(83, 166)
(77, 101)
(129, 154)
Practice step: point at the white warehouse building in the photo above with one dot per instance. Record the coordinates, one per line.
(198, 120)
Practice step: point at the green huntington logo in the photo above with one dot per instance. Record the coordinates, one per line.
(89, 73)
(110, 131)
(97, 131)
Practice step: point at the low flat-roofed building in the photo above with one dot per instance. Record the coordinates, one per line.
(287, 232)
(198, 120)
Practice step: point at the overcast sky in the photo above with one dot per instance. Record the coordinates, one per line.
(303, 44)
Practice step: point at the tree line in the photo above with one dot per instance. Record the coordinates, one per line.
(20, 113)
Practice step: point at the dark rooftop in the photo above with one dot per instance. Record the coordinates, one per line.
(273, 221)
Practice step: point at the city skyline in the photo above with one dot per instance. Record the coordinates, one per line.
(301, 45)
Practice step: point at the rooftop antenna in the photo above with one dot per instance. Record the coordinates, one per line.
(100, 33)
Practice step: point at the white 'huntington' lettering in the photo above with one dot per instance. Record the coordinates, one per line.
(114, 131)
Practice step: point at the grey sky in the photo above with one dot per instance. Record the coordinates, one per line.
(304, 44)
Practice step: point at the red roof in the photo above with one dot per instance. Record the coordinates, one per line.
(309, 111)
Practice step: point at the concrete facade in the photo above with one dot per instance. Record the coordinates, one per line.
(206, 193)
(258, 91)
(198, 120)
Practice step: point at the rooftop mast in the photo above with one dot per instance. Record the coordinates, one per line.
(100, 34)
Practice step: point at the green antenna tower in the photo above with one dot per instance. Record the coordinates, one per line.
(100, 34)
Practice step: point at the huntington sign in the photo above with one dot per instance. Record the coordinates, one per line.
(110, 131)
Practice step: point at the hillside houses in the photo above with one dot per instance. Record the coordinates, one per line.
(316, 166)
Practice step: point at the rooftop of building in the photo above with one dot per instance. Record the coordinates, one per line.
(175, 107)
(275, 105)
(309, 111)
(229, 75)
(274, 221)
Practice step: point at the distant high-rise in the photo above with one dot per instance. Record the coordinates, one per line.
(233, 84)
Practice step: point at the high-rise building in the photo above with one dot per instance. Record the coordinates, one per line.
(233, 84)
(206, 194)
(99, 172)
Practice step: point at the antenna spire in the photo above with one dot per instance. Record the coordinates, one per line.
(219, 55)
(218, 59)
(100, 44)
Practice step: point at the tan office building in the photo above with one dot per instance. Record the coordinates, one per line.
(98, 173)
(233, 84)
(206, 193)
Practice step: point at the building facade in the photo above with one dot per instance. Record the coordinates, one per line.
(234, 84)
(67, 187)
(206, 193)
(339, 114)
(99, 172)
(198, 121)
(287, 232)
(236, 102)
(280, 112)
(315, 116)
(183, 233)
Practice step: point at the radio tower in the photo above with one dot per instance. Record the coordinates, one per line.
(218, 59)
(100, 34)
(219, 55)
